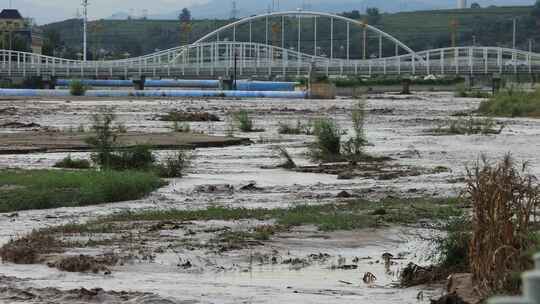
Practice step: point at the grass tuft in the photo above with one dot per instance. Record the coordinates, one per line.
(70, 163)
(512, 103)
(470, 126)
(46, 189)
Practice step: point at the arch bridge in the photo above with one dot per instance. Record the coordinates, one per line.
(293, 44)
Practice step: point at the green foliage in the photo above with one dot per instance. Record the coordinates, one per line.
(245, 123)
(139, 157)
(70, 163)
(330, 217)
(77, 88)
(454, 246)
(44, 189)
(138, 37)
(104, 139)
(461, 91)
(512, 103)
(485, 126)
(535, 12)
(354, 147)
(373, 15)
(327, 146)
(300, 128)
(174, 165)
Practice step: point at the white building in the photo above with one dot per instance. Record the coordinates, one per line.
(461, 4)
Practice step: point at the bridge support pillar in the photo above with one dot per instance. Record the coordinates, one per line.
(406, 86)
(469, 82)
(138, 83)
(48, 82)
(496, 83)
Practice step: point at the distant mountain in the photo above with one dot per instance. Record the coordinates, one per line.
(222, 9)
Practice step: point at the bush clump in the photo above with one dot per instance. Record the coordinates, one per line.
(454, 247)
(181, 116)
(512, 103)
(469, 126)
(504, 199)
(71, 163)
(174, 165)
(139, 157)
(77, 88)
(461, 91)
(245, 123)
(329, 147)
(27, 250)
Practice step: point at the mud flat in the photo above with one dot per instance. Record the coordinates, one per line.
(237, 260)
(33, 142)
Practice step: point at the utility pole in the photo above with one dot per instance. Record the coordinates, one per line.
(234, 10)
(454, 26)
(530, 45)
(514, 33)
(474, 40)
(85, 20)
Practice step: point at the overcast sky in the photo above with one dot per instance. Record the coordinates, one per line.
(52, 10)
(45, 11)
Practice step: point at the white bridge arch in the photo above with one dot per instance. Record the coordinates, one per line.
(213, 56)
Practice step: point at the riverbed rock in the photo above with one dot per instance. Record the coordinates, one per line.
(347, 175)
(344, 194)
(461, 284)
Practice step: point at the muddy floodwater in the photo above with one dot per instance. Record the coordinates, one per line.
(397, 127)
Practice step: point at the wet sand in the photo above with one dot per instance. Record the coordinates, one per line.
(36, 142)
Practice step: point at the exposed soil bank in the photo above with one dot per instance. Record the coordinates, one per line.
(16, 143)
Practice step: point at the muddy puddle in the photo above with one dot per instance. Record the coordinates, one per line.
(396, 128)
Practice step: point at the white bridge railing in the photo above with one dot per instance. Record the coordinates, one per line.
(256, 59)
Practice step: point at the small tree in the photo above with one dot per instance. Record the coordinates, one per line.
(354, 147)
(475, 5)
(327, 146)
(373, 15)
(77, 88)
(104, 139)
(185, 15)
(536, 10)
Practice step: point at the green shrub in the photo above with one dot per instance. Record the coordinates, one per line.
(469, 126)
(512, 103)
(104, 139)
(77, 88)
(454, 247)
(174, 165)
(245, 123)
(327, 146)
(139, 157)
(354, 147)
(70, 163)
